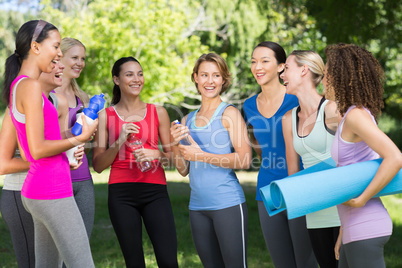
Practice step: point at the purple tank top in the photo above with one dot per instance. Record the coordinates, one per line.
(82, 173)
(49, 177)
(372, 220)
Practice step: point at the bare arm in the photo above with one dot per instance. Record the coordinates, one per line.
(8, 144)
(142, 155)
(338, 243)
(104, 155)
(239, 159)
(292, 158)
(176, 134)
(254, 142)
(359, 125)
(29, 102)
(62, 110)
(332, 116)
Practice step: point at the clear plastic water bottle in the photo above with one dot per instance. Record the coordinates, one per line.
(184, 141)
(135, 143)
(96, 104)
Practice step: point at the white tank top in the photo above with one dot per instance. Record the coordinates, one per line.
(313, 149)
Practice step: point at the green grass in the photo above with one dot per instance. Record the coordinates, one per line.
(106, 251)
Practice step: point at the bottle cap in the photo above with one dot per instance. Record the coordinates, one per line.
(97, 102)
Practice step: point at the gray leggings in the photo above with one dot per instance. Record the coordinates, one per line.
(220, 236)
(367, 253)
(84, 195)
(21, 227)
(287, 241)
(59, 233)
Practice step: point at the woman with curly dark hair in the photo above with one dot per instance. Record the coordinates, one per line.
(356, 78)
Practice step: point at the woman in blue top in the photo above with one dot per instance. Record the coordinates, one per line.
(218, 144)
(287, 240)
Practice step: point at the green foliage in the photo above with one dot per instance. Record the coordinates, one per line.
(168, 36)
(151, 31)
(9, 25)
(377, 26)
(235, 30)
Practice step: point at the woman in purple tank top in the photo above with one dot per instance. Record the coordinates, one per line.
(46, 193)
(83, 188)
(355, 78)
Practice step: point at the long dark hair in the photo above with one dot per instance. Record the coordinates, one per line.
(116, 72)
(22, 46)
(280, 54)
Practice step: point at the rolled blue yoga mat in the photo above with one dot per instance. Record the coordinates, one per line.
(323, 186)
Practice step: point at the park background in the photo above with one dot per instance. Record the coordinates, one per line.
(167, 36)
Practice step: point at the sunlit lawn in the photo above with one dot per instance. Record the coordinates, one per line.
(106, 251)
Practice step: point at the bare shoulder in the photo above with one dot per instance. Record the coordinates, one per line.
(231, 111)
(162, 113)
(160, 109)
(358, 116)
(29, 85)
(102, 114)
(332, 113)
(331, 108)
(231, 117)
(287, 117)
(61, 99)
(30, 93)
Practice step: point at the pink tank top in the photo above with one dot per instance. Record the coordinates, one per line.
(49, 177)
(372, 220)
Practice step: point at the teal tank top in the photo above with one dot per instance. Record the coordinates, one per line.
(313, 149)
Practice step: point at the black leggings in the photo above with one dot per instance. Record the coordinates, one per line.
(128, 203)
(323, 241)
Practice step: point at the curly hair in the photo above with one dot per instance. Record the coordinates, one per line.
(356, 77)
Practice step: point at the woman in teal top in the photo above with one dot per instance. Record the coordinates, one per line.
(309, 130)
(218, 144)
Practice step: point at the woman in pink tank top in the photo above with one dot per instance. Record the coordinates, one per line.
(354, 77)
(47, 193)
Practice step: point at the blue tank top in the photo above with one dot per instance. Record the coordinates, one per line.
(212, 187)
(269, 135)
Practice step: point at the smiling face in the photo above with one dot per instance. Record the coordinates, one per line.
(53, 79)
(264, 66)
(292, 75)
(209, 79)
(74, 61)
(49, 51)
(130, 79)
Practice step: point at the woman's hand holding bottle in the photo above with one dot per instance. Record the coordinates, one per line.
(178, 132)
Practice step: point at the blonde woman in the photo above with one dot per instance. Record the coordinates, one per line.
(309, 130)
(83, 188)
